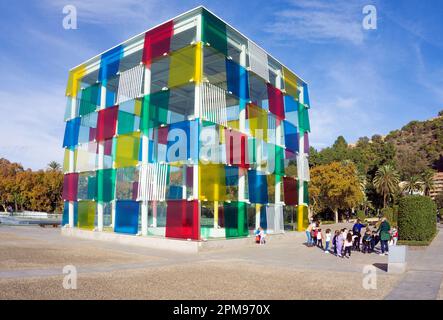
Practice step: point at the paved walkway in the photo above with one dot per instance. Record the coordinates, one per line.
(424, 277)
(32, 258)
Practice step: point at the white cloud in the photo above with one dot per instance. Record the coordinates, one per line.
(317, 21)
(31, 126)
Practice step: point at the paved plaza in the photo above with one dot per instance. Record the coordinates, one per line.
(32, 260)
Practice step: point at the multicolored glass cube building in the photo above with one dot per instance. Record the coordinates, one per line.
(189, 130)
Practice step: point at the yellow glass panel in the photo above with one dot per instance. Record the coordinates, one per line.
(138, 108)
(186, 66)
(258, 120)
(74, 78)
(234, 124)
(212, 182)
(290, 82)
(127, 150)
(66, 160)
(86, 214)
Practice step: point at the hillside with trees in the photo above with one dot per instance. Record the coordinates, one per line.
(411, 154)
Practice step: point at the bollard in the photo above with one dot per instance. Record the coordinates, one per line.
(397, 259)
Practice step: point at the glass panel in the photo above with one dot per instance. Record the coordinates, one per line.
(276, 106)
(290, 82)
(237, 80)
(105, 185)
(290, 187)
(212, 177)
(185, 66)
(65, 218)
(127, 150)
(70, 187)
(235, 218)
(158, 42)
(214, 32)
(182, 219)
(257, 181)
(126, 216)
(72, 130)
(106, 123)
(86, 214)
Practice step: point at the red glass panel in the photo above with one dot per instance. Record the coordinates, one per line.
(290, 191)
(163, 135)
(157, 42)
(106, 123)
(70, 187)
(276, 105)
(236, 148)
(182, 219)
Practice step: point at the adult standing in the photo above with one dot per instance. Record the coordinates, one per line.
(385, 236)
(356, 230)
(309, 230)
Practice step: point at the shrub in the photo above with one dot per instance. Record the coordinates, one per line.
(388, 213)
(416, 218)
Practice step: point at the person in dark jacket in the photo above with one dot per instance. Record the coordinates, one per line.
(385, 236)
(356, 230)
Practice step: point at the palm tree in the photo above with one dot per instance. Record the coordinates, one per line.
(412, 185)
(386, 182)
(428, 182)
(54, 166)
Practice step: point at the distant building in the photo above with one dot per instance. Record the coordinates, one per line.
(438, 184)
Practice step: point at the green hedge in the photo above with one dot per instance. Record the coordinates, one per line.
(390, 214)
(416, 218)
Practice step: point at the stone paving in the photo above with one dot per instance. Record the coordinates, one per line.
(32, 258)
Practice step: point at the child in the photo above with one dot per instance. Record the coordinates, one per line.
(374, 240)
(355, 240)
(314, 235)
(262, 236)
(334, 240)
(339, 243)
(319, 239)
(327, 240)
(348, 245)
(394, 233)
(367, 238)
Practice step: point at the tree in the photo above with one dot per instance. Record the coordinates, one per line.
(413, 184)
(335, 186)
(386, 182)
(428, 182)
(54, 166)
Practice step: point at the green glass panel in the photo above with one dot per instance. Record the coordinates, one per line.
(154, 110)
(89, 99)
(303, 119)
(105, 185)
(279, 160)
(214, 32)
(92, 187)
(125, 122)
(305, 192)
(236, 220)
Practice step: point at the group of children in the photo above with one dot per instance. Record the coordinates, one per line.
(345, 241)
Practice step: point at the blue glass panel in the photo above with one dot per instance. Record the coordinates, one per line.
(258, 187)
(263, 220)
(175, 193)
(290, 104)
(109, 64)
(291, 136)
(65, 218)
(126, 216)
(306, 95)
(71, 132)
(231, 176)
(237, 78)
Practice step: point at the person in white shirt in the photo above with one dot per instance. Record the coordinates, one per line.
(328, 236)
(348, 245)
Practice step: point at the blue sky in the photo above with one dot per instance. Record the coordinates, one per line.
(362, 82)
